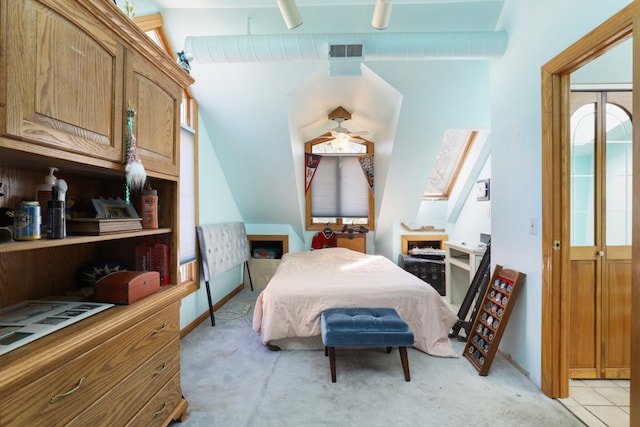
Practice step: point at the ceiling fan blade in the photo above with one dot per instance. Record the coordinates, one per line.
(339, 131)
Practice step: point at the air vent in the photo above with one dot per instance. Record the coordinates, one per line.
(345, 51)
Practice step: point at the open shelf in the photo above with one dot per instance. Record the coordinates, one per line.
(27, 245)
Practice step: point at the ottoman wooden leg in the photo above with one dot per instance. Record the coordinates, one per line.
(405, 362)
(332, 363)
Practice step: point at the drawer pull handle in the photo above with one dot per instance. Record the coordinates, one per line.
(162, 329)
(164, 408)
(57, 397)
(159, 370)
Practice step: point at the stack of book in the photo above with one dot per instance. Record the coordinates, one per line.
(98, 226)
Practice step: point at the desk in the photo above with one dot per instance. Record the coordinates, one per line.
(461, 263)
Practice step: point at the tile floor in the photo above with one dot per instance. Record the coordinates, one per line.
(599, 403)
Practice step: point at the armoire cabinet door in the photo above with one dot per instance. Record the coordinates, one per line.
(156, 100)
(63, 81)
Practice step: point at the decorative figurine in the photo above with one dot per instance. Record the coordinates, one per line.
(130, 8)
(183, 60)
(135, 176)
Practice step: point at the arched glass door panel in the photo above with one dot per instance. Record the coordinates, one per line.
(583, 139)
(618, 176)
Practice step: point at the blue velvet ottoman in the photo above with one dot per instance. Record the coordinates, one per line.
(365, 327)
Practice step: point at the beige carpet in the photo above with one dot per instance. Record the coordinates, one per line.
(231, 379)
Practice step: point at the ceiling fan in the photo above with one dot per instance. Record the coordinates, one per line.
(340, 134)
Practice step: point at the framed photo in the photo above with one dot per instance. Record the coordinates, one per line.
(483, 190)
(113, 208)
(30, 320)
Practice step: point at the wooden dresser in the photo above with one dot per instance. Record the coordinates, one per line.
(354, 241)
(69, 69)
(118, 367)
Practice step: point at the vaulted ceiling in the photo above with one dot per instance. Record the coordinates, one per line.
(259, 112)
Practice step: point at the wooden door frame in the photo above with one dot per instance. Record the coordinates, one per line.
(555, 203)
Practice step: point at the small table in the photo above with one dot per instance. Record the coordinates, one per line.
(461, 262)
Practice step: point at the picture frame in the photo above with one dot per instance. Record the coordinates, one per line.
(30, 320)
(113, 208)
(483, 191)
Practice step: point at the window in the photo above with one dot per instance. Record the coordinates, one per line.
(188, 205)
(339, 183)
(451, 156)
(153, 26)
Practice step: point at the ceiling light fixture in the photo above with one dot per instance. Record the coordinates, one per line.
(381, 14)
(290, 13)
(340, 141)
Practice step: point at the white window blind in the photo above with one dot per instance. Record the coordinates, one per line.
(187, 197)
(339, 188)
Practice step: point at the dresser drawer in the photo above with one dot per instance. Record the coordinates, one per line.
(117, 406)
(62, 394)
(158, 410)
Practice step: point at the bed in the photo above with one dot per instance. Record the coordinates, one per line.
(306, 283)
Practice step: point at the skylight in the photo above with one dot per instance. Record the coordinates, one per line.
(451, 156)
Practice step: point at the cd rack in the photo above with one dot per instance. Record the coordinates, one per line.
(492, 317)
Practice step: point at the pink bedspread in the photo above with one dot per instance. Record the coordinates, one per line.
(306, 283)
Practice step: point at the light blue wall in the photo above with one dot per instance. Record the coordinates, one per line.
(437, 96)
(538, 31)
(216, 205)
(475, 216)
(462, 216)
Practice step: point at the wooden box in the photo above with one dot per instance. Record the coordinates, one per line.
(127, 287)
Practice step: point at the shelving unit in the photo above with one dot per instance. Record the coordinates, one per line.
(17, 246)
(491, 320)
(461, 262)
(69, 70)
(262, 269)
(410, 241)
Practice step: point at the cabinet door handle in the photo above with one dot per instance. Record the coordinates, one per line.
(159, 370)
(164, 408)
(157, 331)
(57, 397)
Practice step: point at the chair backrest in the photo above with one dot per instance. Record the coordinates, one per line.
(222, 247)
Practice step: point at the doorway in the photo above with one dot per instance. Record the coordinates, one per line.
(556, 80)
(600, 234)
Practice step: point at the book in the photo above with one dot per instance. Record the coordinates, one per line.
(98, 226)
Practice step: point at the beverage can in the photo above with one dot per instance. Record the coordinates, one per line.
(26, 221)
(55, 219)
